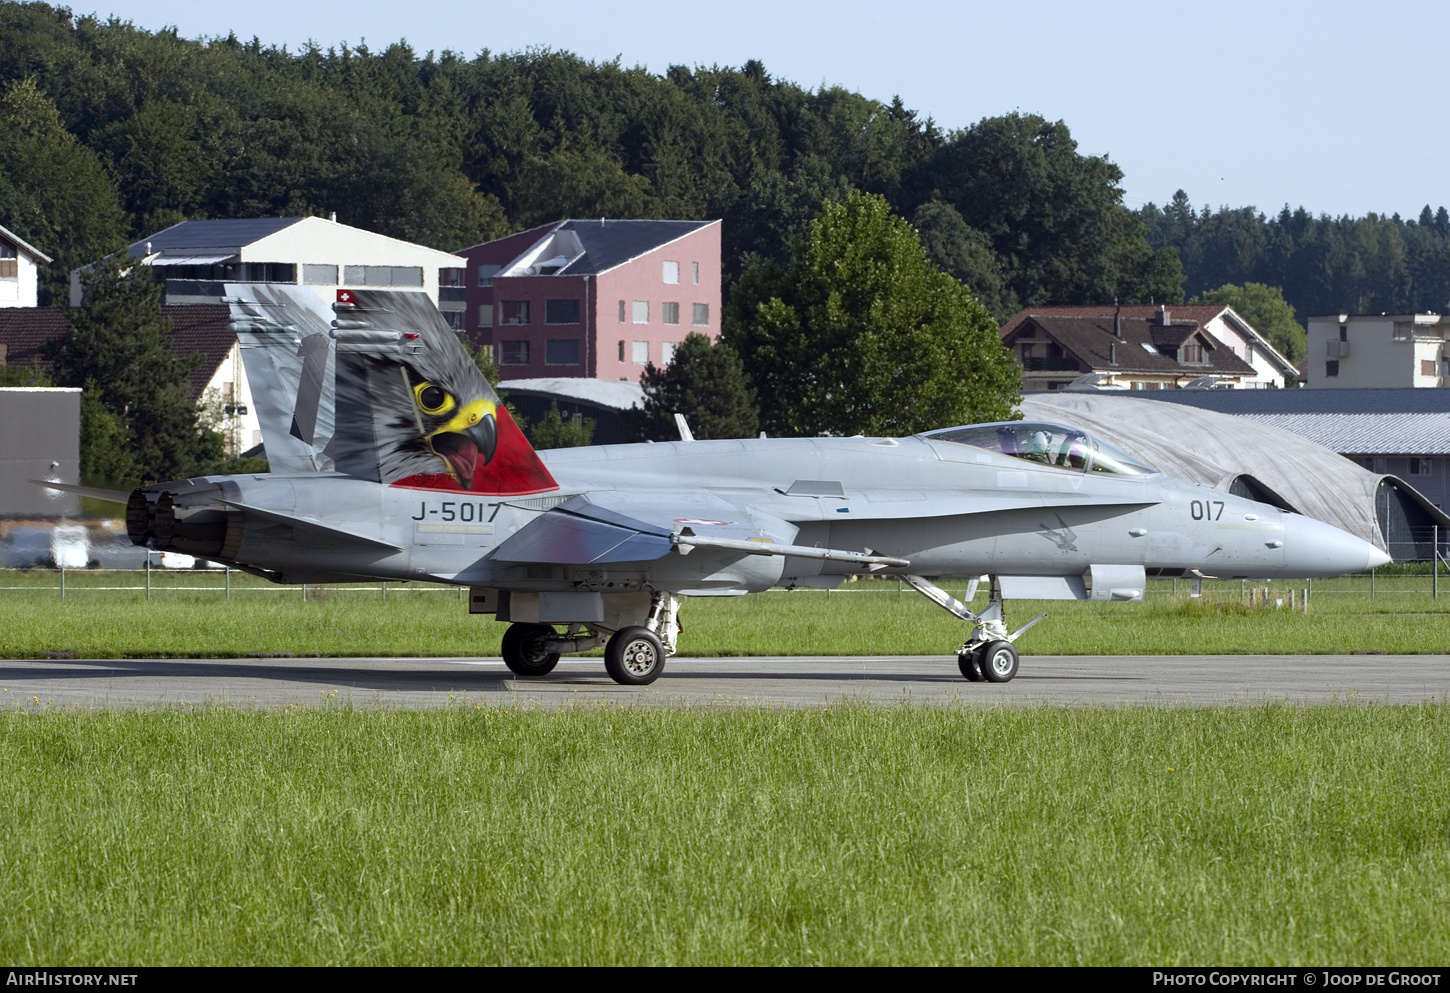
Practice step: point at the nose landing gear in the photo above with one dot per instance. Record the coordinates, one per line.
(989, 654)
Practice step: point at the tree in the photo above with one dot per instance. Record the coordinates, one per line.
(554, 431)
(1055, 217)
(53, 191)
(1263, 307)
(966, 255)
(704, 382)
(862, 335)
(119, 348)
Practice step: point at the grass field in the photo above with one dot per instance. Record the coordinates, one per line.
(852, 835)
(189, 615)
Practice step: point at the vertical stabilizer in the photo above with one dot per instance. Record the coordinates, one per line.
(382, 390)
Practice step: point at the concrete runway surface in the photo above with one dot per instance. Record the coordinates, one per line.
(1204, 680)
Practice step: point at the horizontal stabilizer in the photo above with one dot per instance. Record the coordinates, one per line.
(314, 527)
(110, 496)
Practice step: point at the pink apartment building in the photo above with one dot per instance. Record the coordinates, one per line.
(593, 298)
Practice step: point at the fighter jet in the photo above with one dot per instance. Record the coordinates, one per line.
(393, 459)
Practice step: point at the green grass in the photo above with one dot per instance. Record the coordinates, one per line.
(195, 619)
(851, 835)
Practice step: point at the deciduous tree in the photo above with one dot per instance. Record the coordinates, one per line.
(862, 335)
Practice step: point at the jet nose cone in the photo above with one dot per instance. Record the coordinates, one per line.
(1313, 549)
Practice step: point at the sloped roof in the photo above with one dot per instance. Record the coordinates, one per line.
(1201, 313)
(610, 243)
(202, 329)
(22, 243)
(231, 234)
(25, 331)
(1090, 338)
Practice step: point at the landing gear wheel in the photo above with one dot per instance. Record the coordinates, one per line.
(998, 661)
(634, 657)
(524, 652)
(970, 665)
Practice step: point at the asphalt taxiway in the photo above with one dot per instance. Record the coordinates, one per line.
(1201, 680)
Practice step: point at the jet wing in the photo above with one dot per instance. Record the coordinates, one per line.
(626, 527)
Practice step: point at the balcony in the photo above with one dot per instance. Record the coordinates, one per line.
(1060, 364)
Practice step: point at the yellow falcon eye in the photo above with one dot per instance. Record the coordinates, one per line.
(433, 400)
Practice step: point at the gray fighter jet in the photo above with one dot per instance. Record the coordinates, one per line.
(392, 459)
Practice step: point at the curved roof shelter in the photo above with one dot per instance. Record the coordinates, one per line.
(1257, 461)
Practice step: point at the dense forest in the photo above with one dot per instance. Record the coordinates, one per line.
(109, 132)
(1325, 265)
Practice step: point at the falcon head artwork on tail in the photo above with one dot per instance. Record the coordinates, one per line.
(381, 390)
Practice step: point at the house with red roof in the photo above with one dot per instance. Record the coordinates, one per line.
(1224, 332)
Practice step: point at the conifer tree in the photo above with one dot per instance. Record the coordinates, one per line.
(119, 348)
(704, 382)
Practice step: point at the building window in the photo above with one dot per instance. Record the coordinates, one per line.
(640, 355)
(1331, 368)
(667, 351)
(486, 274)
(7, 250)
(1404, 331)
(514, 312)
(1421, 467)
(383, 275)
(561, 312)
(1343, 332)
(1249, 354)
(319, 275)
(561, 352)
(1191, 353)
(670, 313)
(450, 277)
(641, 312)
(621, 352)
(621, 312)
(1427, 367)
(513, 353)
(697, 272)
(702, 315)
(485, 315)
(672, 273)
(454, 319)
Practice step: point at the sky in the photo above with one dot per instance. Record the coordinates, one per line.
(1331, 106)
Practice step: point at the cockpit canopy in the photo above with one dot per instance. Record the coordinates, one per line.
(1046, 444)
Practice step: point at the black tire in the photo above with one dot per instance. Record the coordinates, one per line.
(634, 657)
(523, 649)
(998, 661)
(971, 668)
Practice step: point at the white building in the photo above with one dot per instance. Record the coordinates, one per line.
(196, 258)
(18, 270)
(1358, 351)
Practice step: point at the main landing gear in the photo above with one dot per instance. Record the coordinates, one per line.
(633, 655)
(988, 656)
